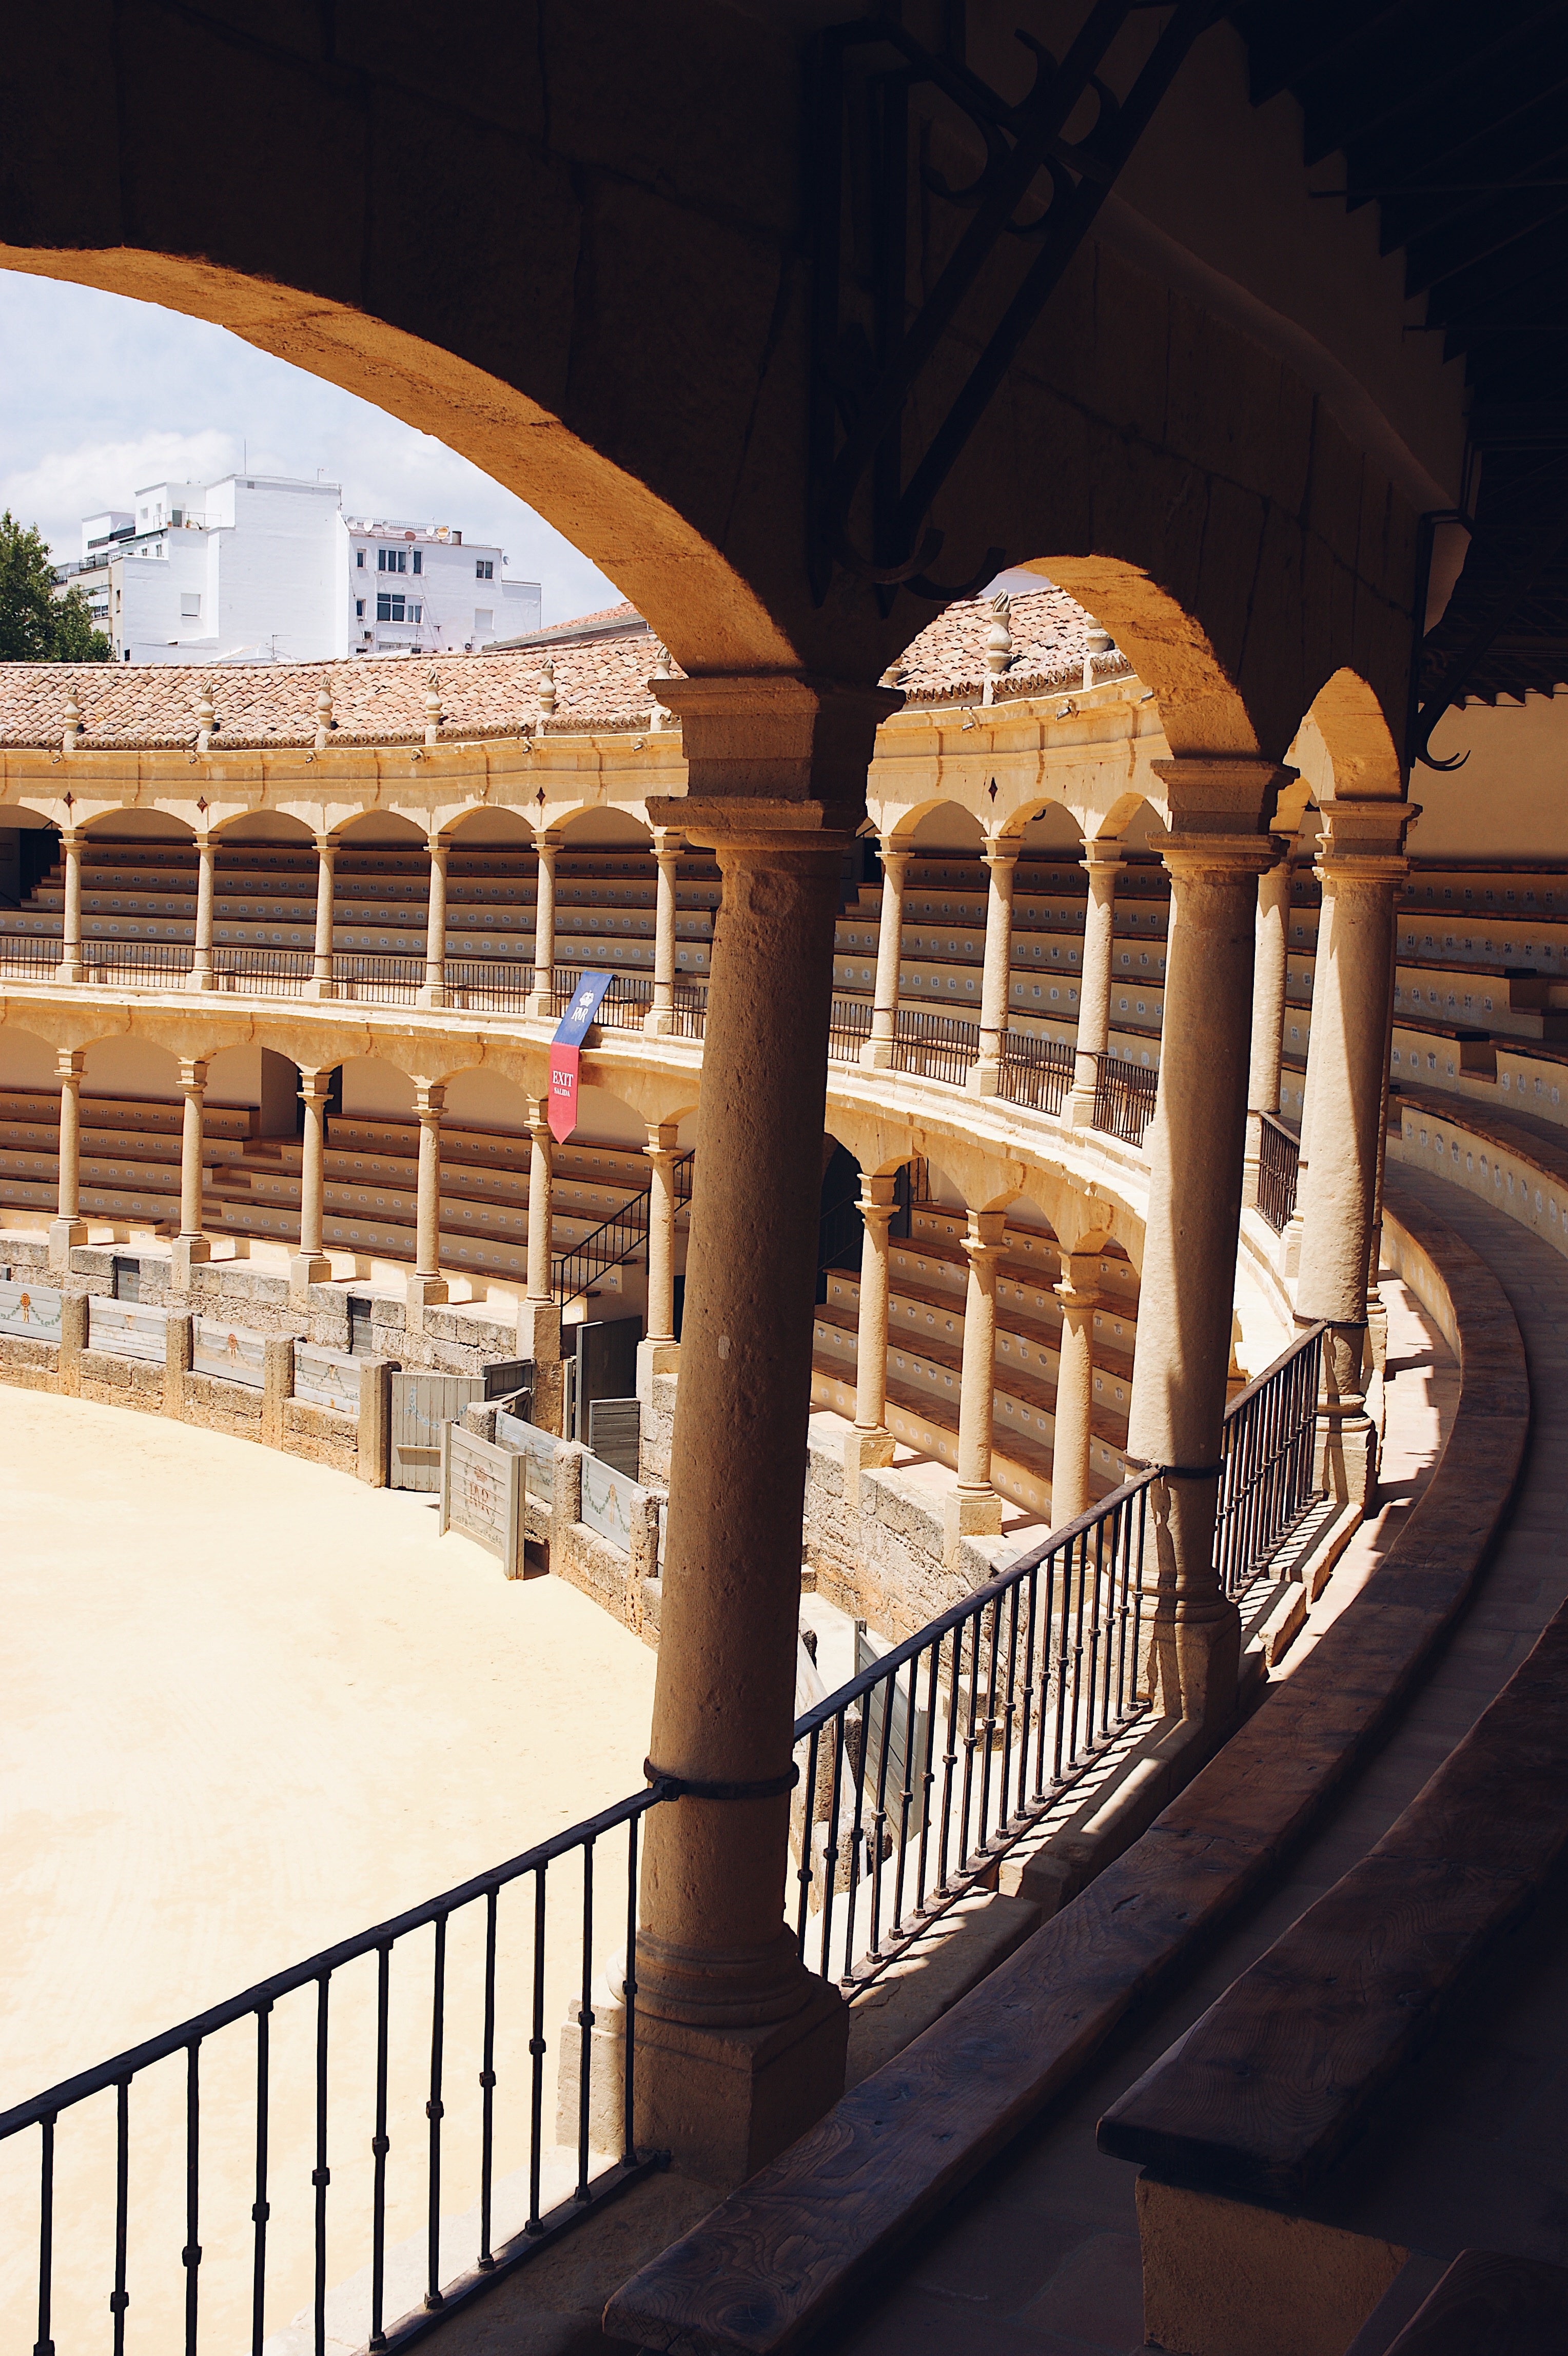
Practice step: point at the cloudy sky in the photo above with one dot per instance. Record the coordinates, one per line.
(101, 394)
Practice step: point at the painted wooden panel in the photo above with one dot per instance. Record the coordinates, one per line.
(536, 1447)
(615, 1434)
(421, 1404)
(327, 1378)
(232, 1353)
(481, 1494)
(609, 1499)
(127, 1330)
(32, 1309)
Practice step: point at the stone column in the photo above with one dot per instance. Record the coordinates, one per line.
(322, 985)
(1002, 861)
(878, 1051)
(871, 1442)
(206, 876)
(659, 1353)
(1362, 867)
(70, 965)
(69, 1228)
(544, 929)
(974, 1509)
(435, 990)
(1103, 862)
(1072, 1444)
(191, 1247)
(310, 1264)
(739, 2047)
(539, 1318)
(1217, 848)
(660, 1020)
(426, 1288)
(1270, 967)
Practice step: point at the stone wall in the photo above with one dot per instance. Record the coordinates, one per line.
(874, 1544)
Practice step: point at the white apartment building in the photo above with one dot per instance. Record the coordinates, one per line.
(257, 568)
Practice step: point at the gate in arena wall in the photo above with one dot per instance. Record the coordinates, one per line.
(421, 1404)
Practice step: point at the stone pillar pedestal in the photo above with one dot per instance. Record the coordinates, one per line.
(870, 1445)
(1002, 861)
(660, 1020)
(974, 1509)
(1216, 849)
(310, 1264)
(739, 2047)
(190, 1248)
(539, 1003)
(426, 1288)
(878, 1051)
(69, 1228)
(1104, 862)
(539, 1314)
(201, 961)
(321, 984)
(1345, 1455)
(70, 966)
(434, 991)
(1270, 967)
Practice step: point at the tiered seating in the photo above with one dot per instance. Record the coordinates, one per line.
(943, 950)
(928, 1278)
(130, 1155)
(1481, 982)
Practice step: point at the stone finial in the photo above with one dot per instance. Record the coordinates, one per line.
(1097, 643)
(325, 724)
(662, 666)
(894, 676)
(659, 717)
(72, 728)
(432, 708)
(546, 688)
(206, 719)
(998, 642)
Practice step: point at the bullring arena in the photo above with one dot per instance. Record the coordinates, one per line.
(902, 1682)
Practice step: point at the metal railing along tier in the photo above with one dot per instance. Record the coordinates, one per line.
(1035, 1072)
(620, 1235)
(263, 973)
(386, 980)
(487, 985)
(690, 1010)
(1279, 1169)
(623, 1005)
(36, 959)
(849, 1027)
(935, 1046)
(1267, 1462)
(144, 963)
(915, 1777)
(1124, 1098)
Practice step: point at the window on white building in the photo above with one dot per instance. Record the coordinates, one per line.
(418, 560)
(360, 608)
(484, 568)
(360, 558)
(391, 560)
(190, 604)
(390, 607)
(416, 613)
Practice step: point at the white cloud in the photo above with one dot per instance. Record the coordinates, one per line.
(104, 395)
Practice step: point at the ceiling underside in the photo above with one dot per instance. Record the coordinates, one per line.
(1453, 120)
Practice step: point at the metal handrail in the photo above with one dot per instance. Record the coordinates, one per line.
(1124, 1098)
(849, 1027)
(935, 1046)
(270, 973)
(491, 985)
(630, 1225)
(394, 981)
(1279, 1173)
(1268, 1462)
(1035, 1071)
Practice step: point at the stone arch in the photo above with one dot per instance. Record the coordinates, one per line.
(609, 825)
(376, 1087)
(127, 1063)
(380, 829)
(482, 1097)
(487, 826)
(130, 823)
(262, 826)
(28, 1061)
(939, 824)
(1344, 749)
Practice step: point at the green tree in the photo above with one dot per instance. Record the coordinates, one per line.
(34, 624)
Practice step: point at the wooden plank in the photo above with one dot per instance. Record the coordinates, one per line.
(776, 2259)
(1486, 2303)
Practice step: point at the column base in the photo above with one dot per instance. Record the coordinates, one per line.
(876, 1055)
(186, 1252)
(69, 971)
(199, 978)
(64, 1237)
(306, 1269)
(866, 1451)
(321, 985)
(970, 1514)
(722, 2102)
(1346, 1456)
(1289, 1262)
(1077, 1109)
(539, 1331)
(539, 1006)
(984, 1077)
(432, 993)
(654, 1358)
(659, 1022)
(420, 1293)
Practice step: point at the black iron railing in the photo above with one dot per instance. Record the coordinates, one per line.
(386, 980)
(263, 973)
(1268, 1455)
(849, 1027)
(1036, 1072)
(689, 1009)
(623, 1005)
(1279, 1167)
(623, 1232)
(935, 1046)
(487, 985)
(922, 1770)
(1124, 1097)
(434, 2056)
(145, 962)
(30, 959)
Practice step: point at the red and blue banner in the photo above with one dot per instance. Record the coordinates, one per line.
(565, 1054)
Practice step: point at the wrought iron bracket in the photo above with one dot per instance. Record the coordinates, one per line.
(1036, 185)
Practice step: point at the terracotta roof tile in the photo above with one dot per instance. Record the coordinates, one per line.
(948, 660)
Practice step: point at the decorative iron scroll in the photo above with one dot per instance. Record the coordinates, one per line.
(1036, 185)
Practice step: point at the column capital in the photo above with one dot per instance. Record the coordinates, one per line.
(538, 1120)
(316, 1087)
(1365, 838)
(326, 846)
(1221, 858)
(772, 751)
(436, 846)
(1104, 854)
(71, 838)
(1227, 793)
(547, 842)
(1080, 1301)
(987, 1236)
(877, 1193)
(669, 841)
(1001, 853)
(192, 1076)
(663, 1140)
(893, 854)
(429, 1098)
(70, 1063)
